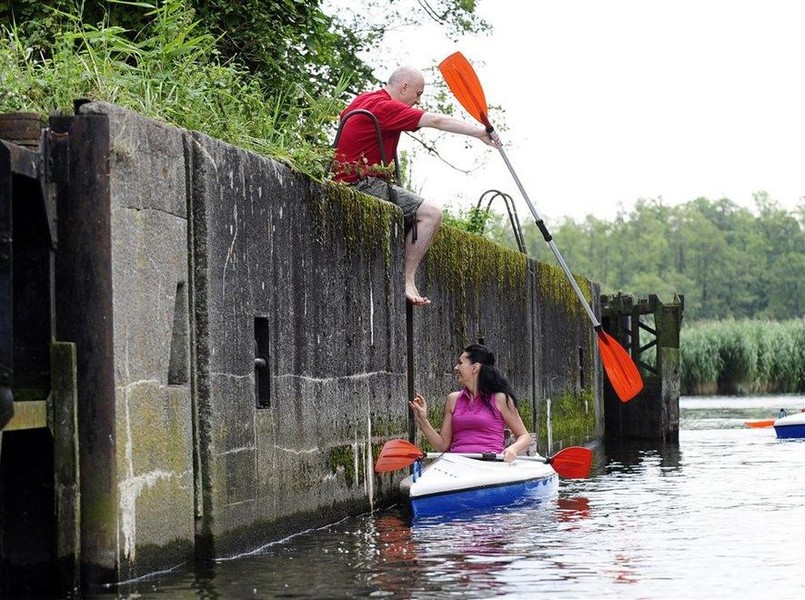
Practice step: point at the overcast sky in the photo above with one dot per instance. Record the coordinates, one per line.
(610, 101)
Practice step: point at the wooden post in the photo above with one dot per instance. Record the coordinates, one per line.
(654, 413)
(63, 423)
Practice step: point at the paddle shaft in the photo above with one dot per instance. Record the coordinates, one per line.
(621, 369)
(484, 456)
(549, 238)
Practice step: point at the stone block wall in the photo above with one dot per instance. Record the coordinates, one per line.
(243, 342)
(319, 268)
(527, 313)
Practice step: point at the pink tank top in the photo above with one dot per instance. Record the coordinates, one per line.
(477, 426)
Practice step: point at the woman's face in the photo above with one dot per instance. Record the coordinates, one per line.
(466, 371)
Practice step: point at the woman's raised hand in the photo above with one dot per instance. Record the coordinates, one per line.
(419, 407)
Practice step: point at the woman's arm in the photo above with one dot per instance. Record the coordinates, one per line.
(513, 420)
(440, 440)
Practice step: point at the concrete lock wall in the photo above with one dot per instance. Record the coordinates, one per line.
(123, 283)
(319, 269)
(528, 315)
(260, 346)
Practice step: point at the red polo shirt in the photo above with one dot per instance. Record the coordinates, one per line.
(357, 149)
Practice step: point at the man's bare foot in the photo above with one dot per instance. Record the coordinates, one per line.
(415, 299)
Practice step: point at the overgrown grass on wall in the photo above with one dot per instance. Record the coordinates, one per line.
(171, 71)
(743, 357)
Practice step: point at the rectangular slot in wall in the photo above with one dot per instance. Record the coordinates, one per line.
(179, 363)
(262, 375)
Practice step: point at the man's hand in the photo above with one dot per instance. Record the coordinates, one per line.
(491, 139)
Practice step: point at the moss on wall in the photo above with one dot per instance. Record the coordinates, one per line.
(362, 219)
(555, 288)
(343, 458)
(464, 260)
(459, 263)
(526, 412)
(572, 418)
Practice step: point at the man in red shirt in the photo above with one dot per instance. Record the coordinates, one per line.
(358, 159)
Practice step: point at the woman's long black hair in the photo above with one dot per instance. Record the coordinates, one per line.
(490, 380)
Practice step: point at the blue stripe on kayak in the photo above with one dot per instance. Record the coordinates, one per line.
(445, 503)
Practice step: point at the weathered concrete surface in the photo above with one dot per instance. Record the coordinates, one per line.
(527, 313)
(323, 266)
(195, 257)
(478, 290)
(149, 271)
(570, 374)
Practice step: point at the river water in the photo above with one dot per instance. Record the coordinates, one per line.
(720, 515)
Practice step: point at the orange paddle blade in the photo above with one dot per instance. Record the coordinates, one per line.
(397, 454)
(620, 368)
(573, 462)
(464, 83)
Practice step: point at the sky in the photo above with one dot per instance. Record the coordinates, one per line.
(607, 102)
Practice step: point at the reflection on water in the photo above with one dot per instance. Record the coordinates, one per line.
(627, 455)
(719, 515)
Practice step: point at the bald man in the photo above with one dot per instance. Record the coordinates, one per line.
(358, 159)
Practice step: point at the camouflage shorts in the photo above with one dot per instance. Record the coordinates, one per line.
(379, 188)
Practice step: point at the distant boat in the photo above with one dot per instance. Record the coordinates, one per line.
(792, 426)
(756, 423)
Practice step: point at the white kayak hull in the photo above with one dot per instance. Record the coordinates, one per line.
(453, 483)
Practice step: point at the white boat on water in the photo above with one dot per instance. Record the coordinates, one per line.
(456, 482)
(453, 483)
(791, 426)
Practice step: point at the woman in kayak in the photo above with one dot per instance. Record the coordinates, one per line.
(475, 417)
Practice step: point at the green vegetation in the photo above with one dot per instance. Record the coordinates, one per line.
(270, 76)
(344, 458)
(572, 418)
(743, 357)
(725, 260)
(473, 220)
(169, 70)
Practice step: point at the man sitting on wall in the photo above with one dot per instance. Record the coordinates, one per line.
(358, 160)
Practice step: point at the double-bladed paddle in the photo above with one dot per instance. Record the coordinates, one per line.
(620, 368)
(571, 463)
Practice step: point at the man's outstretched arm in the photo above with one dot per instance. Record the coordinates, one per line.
(452, 125)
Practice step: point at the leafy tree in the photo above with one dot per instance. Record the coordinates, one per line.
(727, 261)
(299, 52)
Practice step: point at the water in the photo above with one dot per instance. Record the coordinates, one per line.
(720, 515)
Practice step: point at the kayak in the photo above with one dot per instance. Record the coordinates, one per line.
(453, 483)
(759, 423)
(792, 426)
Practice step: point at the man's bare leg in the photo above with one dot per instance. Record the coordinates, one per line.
(429, 218)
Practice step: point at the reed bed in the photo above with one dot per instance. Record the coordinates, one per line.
(743, 357)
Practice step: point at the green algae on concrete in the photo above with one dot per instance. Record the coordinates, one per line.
(464, 261)
(554, 286)
(572, 419)
(362, 218)
(526, 411)
(344, 458)
(461, 264)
